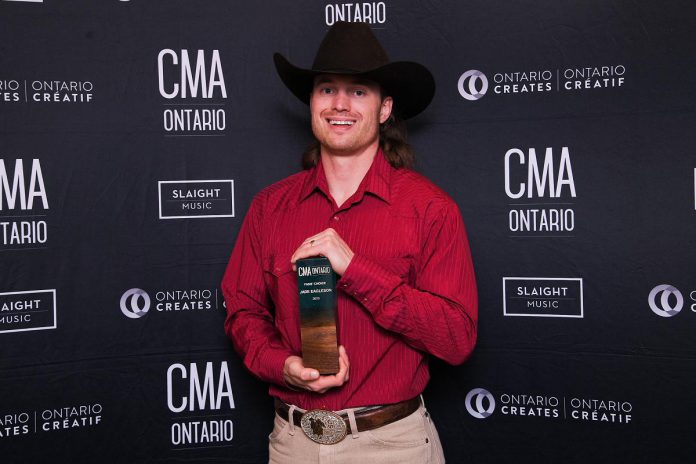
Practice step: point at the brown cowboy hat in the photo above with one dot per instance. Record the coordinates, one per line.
(352, 48)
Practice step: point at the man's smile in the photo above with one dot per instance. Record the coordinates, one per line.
(340, 122)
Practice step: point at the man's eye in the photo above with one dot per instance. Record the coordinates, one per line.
(359, 93)
(326, 91)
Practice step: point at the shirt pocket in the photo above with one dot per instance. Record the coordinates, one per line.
(404, 248)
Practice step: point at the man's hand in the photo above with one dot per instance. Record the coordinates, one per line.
(329, 244)
(297, 375)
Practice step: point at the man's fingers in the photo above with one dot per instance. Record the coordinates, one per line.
(343, 362)
(310, 248)
(326, 382)
(319, 236)
(293, 366)
(315, 245)
(313, 241)
(343, 365)
(306, 251)
(309, 374)
(298, 375)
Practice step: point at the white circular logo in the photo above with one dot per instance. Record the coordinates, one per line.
(130, 303)
(474, 403)
(469, 89)
(662, 307)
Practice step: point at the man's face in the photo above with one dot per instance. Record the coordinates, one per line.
(346, 113)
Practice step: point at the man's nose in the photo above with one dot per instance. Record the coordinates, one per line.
(341, 102)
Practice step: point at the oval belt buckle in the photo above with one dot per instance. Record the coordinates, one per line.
(323, 427)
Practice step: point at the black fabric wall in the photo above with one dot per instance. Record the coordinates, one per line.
(564, 130)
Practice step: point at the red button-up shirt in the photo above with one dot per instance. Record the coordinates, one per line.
(409, 290)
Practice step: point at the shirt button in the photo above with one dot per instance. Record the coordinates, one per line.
(335, 218)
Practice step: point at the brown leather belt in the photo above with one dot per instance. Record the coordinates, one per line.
(365, 420)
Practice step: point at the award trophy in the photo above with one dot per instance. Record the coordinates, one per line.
(316, 283)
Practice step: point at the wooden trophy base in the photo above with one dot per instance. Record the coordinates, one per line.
(320, 349)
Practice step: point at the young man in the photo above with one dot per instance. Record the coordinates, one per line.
(406, 288)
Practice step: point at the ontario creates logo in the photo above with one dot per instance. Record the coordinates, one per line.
(469, 87)
(480, 403)
(135, 303)
(660, 300)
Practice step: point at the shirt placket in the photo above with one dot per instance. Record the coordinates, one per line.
(338, 220)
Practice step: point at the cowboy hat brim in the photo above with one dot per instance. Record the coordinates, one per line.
(410, 84)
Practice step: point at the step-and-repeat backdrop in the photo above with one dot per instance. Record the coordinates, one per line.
(134, 134)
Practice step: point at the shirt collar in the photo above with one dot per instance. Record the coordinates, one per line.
(376, 180)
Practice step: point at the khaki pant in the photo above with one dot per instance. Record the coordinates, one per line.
(412, 439)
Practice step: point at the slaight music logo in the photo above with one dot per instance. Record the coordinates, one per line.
(570, 79)
(200, 395)
(193, 85)
(542, 187)
(195, 199)
(359, 12)
(480, 403)
(543, 297)
(28, 310)
(472, 85)
(23, 205)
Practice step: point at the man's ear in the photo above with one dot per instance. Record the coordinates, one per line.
(385, 109)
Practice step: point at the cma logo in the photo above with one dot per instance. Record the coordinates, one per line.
(190, 76)
(23, 187)
(526, 175)
(191, 390)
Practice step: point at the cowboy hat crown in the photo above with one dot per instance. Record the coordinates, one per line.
(352, 49)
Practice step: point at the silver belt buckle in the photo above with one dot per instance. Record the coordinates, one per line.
(323, 427)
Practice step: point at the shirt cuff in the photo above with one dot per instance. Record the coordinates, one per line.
(274, 364)
(368, 282)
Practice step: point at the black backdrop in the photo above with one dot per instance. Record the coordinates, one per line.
(574, 171)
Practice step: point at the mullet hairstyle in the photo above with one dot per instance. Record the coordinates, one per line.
(393, 140)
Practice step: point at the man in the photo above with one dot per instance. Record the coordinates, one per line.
(406, 285)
